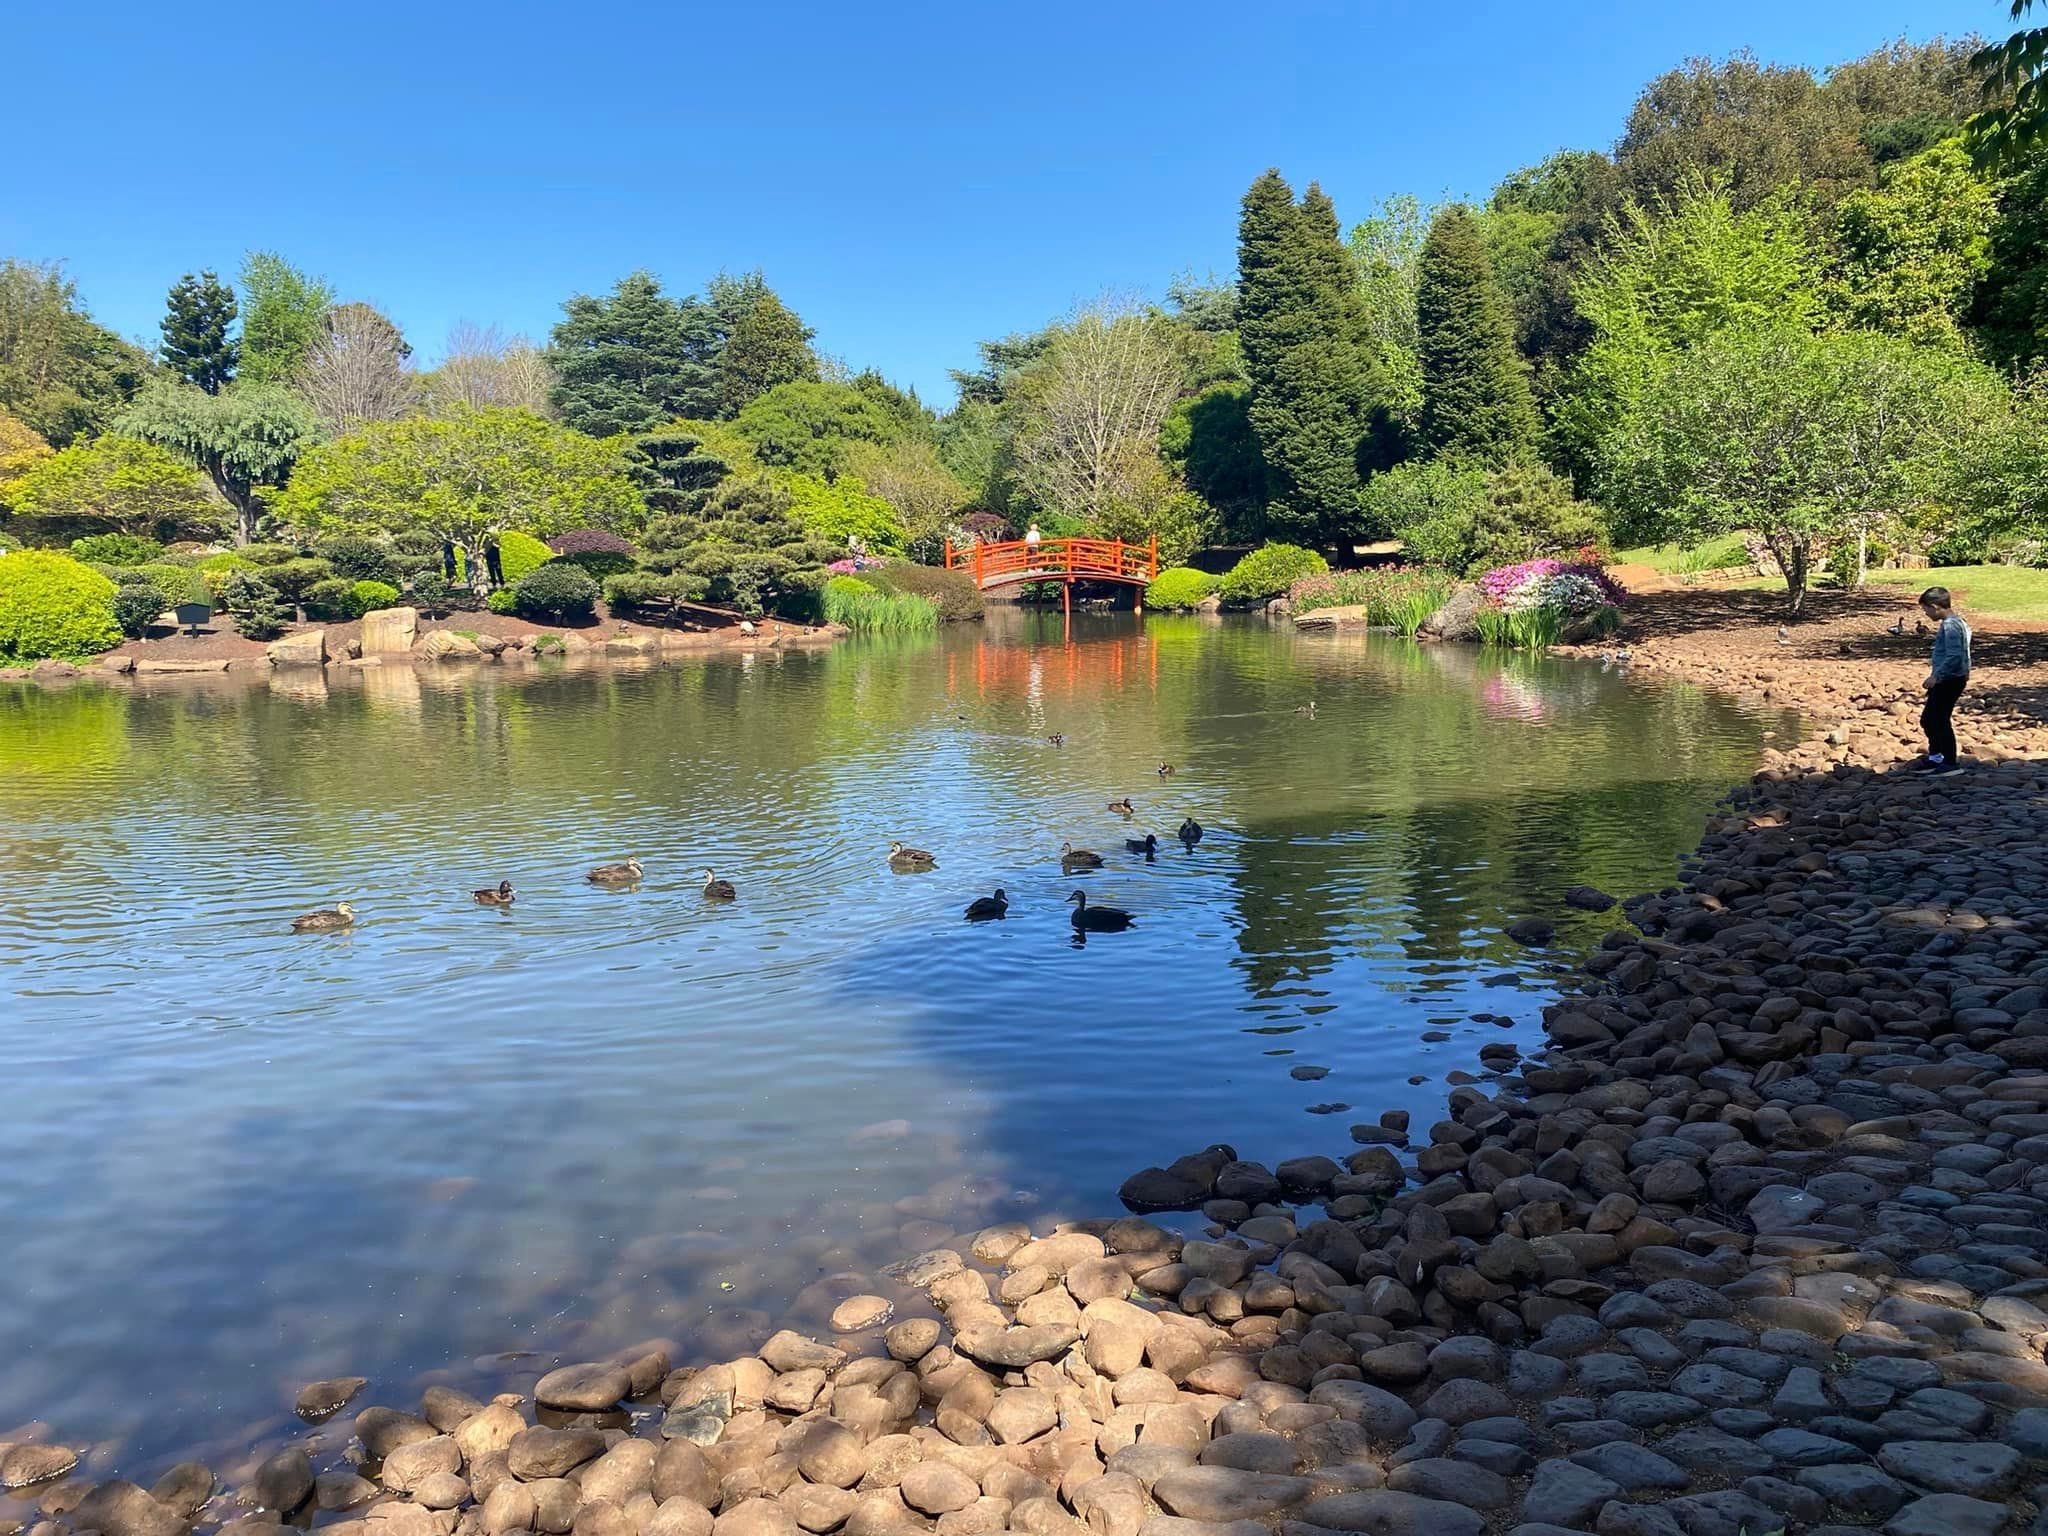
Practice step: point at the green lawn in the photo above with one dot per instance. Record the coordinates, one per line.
(1994, 591)
(1676, 559)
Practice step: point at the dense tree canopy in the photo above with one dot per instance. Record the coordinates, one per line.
(282, 311)
(1475, 391)
(245, 439)
(128, 485)
(633, 359)
(197, 346)
(60, 372)
(762, 342)
(813, 427)
(457, 477)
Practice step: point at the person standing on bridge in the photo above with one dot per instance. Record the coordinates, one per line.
(1031, 546)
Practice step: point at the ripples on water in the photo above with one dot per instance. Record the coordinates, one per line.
(238, 1159)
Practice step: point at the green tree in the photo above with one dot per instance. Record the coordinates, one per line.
(747, 545)
(812, 427)
(2004, 135)
(1475, 392)
(1672, 276)
(910, 476)
(2000, 472)
(1810, 442)
(1299, 324)
(633, 359)
(765, 344)
(679, 465)
(197, 346)
(1386, 253)
(1909, 253)
(282, 309)
(843, 508)
(132, 486)
(21, 449)
(60, 372)
(245, 439)
(458, 477)
(1208, 437)
(2010, 315)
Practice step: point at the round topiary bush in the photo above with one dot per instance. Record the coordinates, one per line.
(53, 605)
(366, 595)
(1180, 587)
(136, 606)
(520, 555)
(269, 554)
(116, 549)
(357, 557)
(1269, 571)
(559, 592)
(502, 600)
(954, 591)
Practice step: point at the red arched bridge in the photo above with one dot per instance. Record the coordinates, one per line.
(1016, 561)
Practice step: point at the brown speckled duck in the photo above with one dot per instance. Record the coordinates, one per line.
(617, 874)
(327, 920)
(499, 895)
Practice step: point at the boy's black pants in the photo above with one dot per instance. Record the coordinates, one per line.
(1936, 720)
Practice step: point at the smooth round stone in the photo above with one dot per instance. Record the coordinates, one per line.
(588, 1388)
(857, 1313)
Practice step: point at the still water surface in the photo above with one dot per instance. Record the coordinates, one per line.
(235, 1160)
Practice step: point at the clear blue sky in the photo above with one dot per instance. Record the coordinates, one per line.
(910, 177)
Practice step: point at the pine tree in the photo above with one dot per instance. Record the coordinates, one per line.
(633, 359)
(1475, 391)
(1297, 322)
(766, 346)
(197, 346)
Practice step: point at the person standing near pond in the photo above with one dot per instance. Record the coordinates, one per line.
(1946, 678)
(491, 566)
(1031, 546)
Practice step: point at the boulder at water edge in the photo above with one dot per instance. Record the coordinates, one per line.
(305, 649)
(388, 630)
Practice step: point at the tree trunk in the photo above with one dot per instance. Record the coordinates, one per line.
(1791, 553)
(1862, 555)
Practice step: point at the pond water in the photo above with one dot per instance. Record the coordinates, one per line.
(238, 1159)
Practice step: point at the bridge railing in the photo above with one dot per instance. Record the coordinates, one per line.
(1067, 560)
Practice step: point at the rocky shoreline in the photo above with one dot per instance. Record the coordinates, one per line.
(1758, 1243)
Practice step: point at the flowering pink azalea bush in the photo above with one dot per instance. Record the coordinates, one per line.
(1565, 586)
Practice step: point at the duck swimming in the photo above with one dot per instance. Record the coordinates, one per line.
(1166, 770)
(1087, 919)
(904, 859)
(499, 895)
(1147, 845)
(984, 908)
(1190, 832)
(327, 920)
(1123, 807)
(1057, 739)
(1308, 709)
(616, 874)
(716, 889)
(1079, 858)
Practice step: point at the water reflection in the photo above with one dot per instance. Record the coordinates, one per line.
(240, 1160)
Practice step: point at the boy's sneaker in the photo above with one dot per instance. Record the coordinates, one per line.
(1934, 767)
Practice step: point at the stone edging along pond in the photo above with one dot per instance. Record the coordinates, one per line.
(1755, 1244)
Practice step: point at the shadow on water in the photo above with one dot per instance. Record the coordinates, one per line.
(239, 1161)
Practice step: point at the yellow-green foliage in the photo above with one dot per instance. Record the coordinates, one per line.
(1180, 587)
(53, 605)
(520, 554)
(1269, 571)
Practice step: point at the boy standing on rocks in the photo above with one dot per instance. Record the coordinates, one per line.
(1945, 682)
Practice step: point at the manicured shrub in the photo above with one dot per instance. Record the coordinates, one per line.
(954, 592)
(599, 551)
(258, 611)
(294, 578)
(1180, 588)
(172, 582)
(429, 590)
(116, 549)
(557, 591)
(1269, 571)
(9, 541)
(850, 601)
(645, 591)
(366, 595)
(53, 605)
(264, 555)
(136, 606)
(520, 555)
(357, 557)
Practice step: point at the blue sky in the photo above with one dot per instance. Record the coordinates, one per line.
(910, 177)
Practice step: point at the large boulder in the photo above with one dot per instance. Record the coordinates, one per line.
(389, 630)
(446, 645)
(1458, 619)
(308, 648)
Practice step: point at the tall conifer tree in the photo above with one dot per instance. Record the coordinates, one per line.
(1298, 324)
(197, 346)
(1475, 392)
